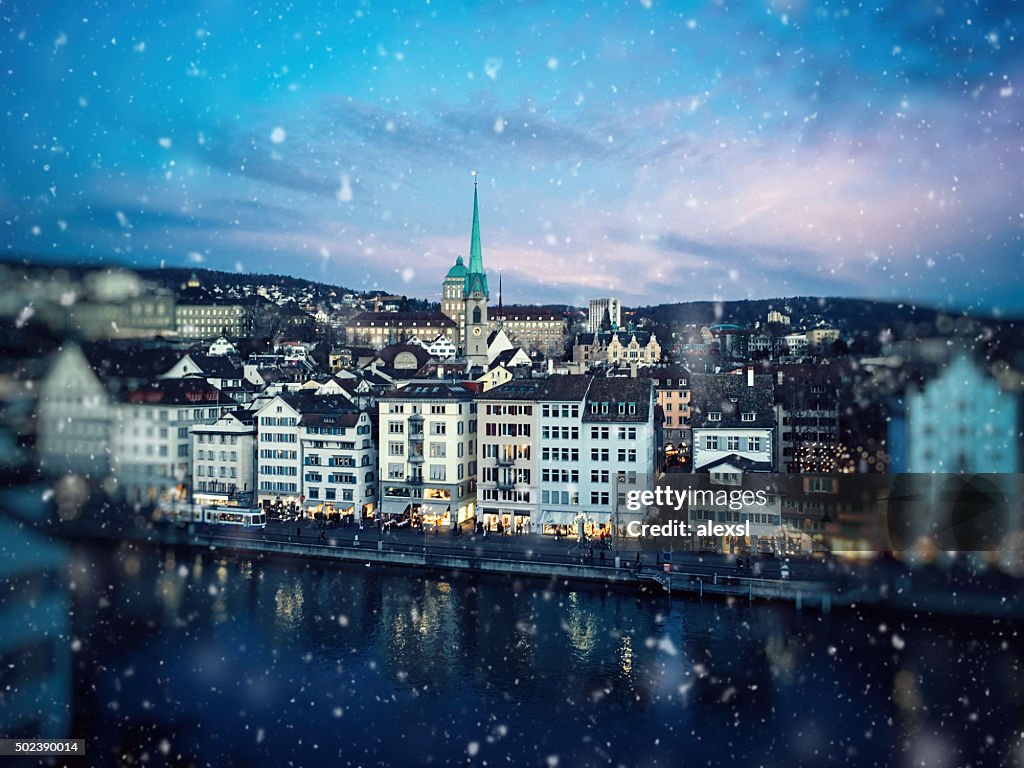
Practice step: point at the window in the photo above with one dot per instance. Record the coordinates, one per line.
(754, 444)
(747, 417)
(396, 471)
(732, 443)
(396, 427)
(438, 428)
(437, 450)
(714, 416)
(437, 472)
(711, 442)
(396, 448)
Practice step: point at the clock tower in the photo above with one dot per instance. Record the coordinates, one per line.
(476, 295)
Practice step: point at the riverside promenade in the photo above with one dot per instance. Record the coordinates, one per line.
(809, 584)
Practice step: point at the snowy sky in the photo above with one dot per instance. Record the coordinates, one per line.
(658, 151)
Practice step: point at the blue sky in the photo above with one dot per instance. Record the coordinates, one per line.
(656, 151)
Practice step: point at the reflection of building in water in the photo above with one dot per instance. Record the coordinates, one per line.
(35, 660)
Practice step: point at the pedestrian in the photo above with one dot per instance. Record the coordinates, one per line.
(638, 562)
(298, 532)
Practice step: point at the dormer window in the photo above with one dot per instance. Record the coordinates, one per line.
(604, 408)
(632, 408)
(622, 408)
(747, 417)
(715, 416)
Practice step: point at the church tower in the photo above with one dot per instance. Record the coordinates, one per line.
(476, 295)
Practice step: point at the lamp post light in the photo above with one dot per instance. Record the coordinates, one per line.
(619, 478)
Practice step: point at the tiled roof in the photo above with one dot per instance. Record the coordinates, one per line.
(441, 390)
(729, 396)
(615, 391)
(187, 392)
(116, 360)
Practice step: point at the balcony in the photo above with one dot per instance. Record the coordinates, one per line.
(416, 457)
(414, 480)
(506, 461)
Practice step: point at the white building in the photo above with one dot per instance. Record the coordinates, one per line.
(732, 419)
(598, 308)
(316, 454)
(150, 439)
(796, 343)
(74, 415)
(428, 452)
(339, 460)
(617, 450)
(508, 479)
(962, 422)
(223, 460)
(222, 348)
(560, 463)
(563, 451)
(278, 472)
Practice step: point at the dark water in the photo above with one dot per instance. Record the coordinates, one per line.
(188, 660)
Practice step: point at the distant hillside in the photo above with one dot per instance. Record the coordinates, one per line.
(852, 315)
(174, 277)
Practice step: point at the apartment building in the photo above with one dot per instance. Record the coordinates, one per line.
(672, 390)
(508, 482)
(559, 455)
(733, 421)
(150, 436)
(316, 454)
(223, 460)
(618, 450)
(428, 453)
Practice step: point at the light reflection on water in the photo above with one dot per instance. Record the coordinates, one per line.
(389, 665)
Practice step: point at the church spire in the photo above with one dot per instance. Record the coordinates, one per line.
(476, 258)
(476, 279)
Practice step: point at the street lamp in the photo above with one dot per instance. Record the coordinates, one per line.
(620, 477)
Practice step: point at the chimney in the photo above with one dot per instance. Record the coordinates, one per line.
(750, 375)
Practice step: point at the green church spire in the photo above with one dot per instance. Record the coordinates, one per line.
(476, 279)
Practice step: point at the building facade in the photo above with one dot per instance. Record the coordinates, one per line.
(151, 441)
(732, 419)
(507, 476)
(599, 308)
(533, 328)
(377, 330)
(672, 390)
(428, 453)
(617, 348)
(211, 319)
(223, 460)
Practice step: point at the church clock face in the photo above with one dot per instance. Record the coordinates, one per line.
(477, 331)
